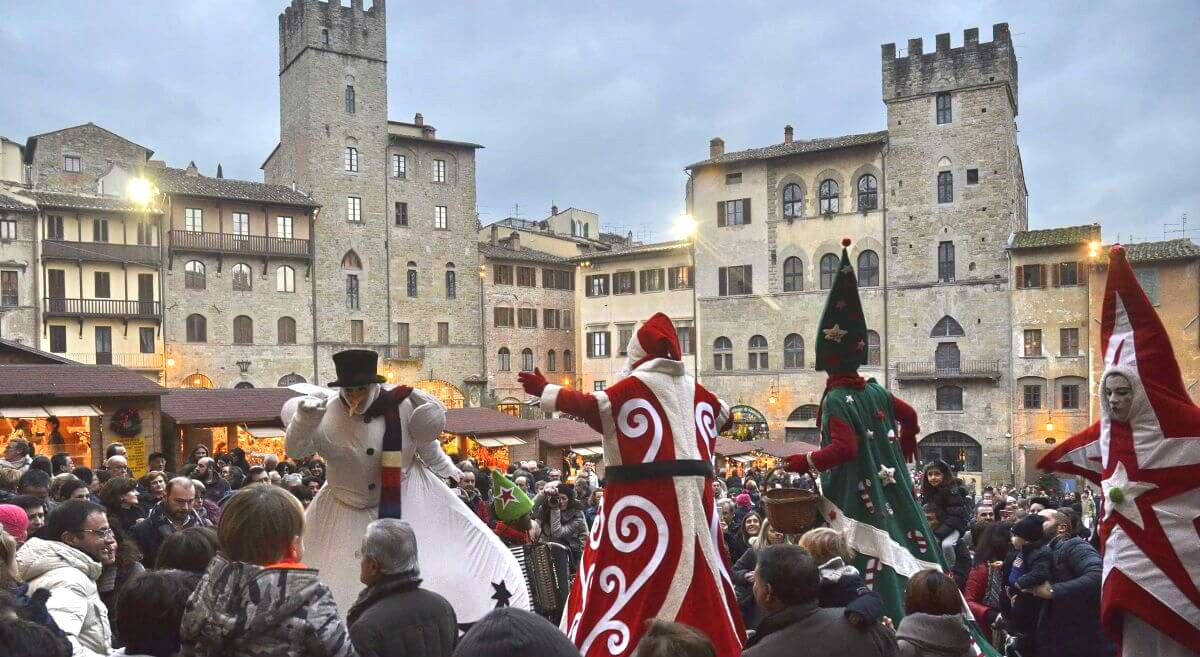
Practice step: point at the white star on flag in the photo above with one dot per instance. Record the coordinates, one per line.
(849, 399)
(1130, 490)
(887, 475)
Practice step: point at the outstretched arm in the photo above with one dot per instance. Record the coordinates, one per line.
(909, 428)
(425, 426)
(302, 416)
(557, 398)
(842, 448)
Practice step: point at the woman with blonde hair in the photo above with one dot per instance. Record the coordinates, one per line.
(257, 596)
(841, 584)
(743, 570)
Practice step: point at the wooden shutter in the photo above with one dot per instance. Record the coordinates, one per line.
(720, 213)
(1042, 279)
(1020, 277)
(746, 210)
(722, 283)
(748, 274)
(1056, 273)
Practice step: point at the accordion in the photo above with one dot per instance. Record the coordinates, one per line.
(547, 574)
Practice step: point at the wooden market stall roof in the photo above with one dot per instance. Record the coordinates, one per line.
(781, 450)
(564, 432)
(214, 406)
(487, 422)
(74, 381)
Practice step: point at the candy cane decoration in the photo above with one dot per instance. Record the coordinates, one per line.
(919, 538)
(864, 494)
(869, 575)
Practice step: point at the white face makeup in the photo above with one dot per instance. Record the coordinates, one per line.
(356, 398)
(1118, 392)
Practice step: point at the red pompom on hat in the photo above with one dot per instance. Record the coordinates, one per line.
(656, 339)
(846, 242)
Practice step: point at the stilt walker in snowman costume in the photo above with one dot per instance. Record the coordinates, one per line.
(655, 548)
(1144, 453)
(371, 435)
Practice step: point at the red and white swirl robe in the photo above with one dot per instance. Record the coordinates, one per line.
(655, 548)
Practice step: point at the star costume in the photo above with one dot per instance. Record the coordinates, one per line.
(1149, 470)
(655, 548)
(372, 471)
(867, 435)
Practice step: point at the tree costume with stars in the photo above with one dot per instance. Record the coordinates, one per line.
(867, 435)
(655, 548)
(1147, 462)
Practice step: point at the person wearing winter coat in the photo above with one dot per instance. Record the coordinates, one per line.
(561, 520)
(841, 584)
(257, 598)
(1069, 623)
(744, 571)
(67, 565)
(985, 583)
(933, 623)
(174, 513)
(943, 490)
(149, 609)
(738, 541)
(29, 607)
(394, 616)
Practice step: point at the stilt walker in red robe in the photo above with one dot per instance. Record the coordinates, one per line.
(655, 548)
(1144, 453)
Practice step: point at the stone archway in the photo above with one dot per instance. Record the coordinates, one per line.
(443, 391)
(196, 380)
(961, 451)
(748, 424)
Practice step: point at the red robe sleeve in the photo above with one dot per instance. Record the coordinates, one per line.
(909, 428)
(572, 402)
(976, 588)
(842, 448)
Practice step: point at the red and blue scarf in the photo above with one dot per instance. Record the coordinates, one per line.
(387, 406)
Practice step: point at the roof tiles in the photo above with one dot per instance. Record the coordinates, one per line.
(1052, 237)
(797, 147)
(178, 181)
(210, 406)
(75, 381)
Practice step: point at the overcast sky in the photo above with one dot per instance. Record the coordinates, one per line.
(601, 105)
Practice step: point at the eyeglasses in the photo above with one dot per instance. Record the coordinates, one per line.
(107, 532)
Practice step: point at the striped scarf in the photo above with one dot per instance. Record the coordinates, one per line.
(387, 406)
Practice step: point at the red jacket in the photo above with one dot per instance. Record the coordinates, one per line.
(977, 582)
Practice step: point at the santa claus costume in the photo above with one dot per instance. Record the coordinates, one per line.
(370, 436)
(655, 548)
(1145, 456)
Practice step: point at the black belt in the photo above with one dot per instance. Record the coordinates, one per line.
(623, 474)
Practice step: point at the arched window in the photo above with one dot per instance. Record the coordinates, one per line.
(757, 347)
(793, 275)
(946, 327)
(286, 330)
(527, 360)
(290, 380)
(829, 196)
(551, 361)
(945, 185)
(947, 357)
(873, 356)
(194, 275)
(868, 193)
(197, 328)
(568, 361)
(868, 269)
(241, 385)
(451, 282)
(805, 413)
(829, 267)
(242, 277)
(196, 380)
(747, 424)
(793, 351)
(504, 362)
(961, 451)
(793, 201)
(412, 279)
(350, 99)
(351, 260)
(243, 330)
(722, 353)
(949, 398)
(285, 279)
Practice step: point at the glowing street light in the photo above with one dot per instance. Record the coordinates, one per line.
(139, 190)
(685, 226)
(1094, 249)
(1049, 427)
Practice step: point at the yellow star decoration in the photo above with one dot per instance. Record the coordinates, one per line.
(836, 333)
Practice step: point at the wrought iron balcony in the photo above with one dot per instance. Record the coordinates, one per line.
(134, 361)
(101, 252)
(921, 370)
(110, 308)
(183, 241)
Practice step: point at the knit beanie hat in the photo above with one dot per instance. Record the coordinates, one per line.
(742, 500)
(512, 632)
(1029, 528)
(14, 521)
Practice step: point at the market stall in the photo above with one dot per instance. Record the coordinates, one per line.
(735, 457)
(222, 419)
(571, 443)
(489, 437)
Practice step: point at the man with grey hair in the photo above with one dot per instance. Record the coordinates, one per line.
(393, 615)
(176, 512)
(117, 465)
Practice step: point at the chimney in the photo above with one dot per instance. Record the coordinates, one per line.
(716, 147)
(514, 241)
(191, 169)
(553, 210)
(419, 120)
(220, 173)
(787, 134)
(495, 234)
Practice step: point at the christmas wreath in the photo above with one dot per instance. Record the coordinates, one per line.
(126, 422)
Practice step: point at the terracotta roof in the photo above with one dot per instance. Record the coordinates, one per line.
(781, 450)
(177, 181)
(225, 405)
(37, 354)
(1179, 249)
(564, 432)
(434, 140)
(497, 252)
(9, 202)
(796, 148)
(88, 202)
(486, 422)
(619, 250)
(1051, 237)
(75, 381)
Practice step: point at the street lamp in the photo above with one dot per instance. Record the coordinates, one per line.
(243, 366)
(139, 190)
(1094, 249)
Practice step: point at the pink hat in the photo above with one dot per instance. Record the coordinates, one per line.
(743, 499)
(14, 521)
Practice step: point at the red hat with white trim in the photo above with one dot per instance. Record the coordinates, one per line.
(655, 339)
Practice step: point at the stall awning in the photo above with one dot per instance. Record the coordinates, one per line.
(265, 432)
(743, 458)
(588, 451)
(16, 412)
(500, 441)
(58, 410)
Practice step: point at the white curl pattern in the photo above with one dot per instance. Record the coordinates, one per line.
(637, 426)
(626, 534)
(707, 422)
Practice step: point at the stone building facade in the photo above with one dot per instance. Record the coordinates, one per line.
(18, 265)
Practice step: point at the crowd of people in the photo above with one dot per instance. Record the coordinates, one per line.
(209, 561)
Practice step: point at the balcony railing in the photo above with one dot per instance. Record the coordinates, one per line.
(135, 361)
(101, 252)
(251, 245)
(118, 308)
(930, 371)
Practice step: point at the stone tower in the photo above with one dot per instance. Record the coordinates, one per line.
(955, 192)
(333, 136)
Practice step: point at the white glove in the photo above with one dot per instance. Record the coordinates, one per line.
(311, 411)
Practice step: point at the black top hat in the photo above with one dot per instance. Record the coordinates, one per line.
(356, 367)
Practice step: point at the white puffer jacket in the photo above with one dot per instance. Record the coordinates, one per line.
(70, 577)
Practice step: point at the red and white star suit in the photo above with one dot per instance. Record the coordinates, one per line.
(1150, 603)
(655, 548)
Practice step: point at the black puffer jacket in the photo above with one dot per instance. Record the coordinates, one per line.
(396, 618)
(950, 497)
(1069, 624)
